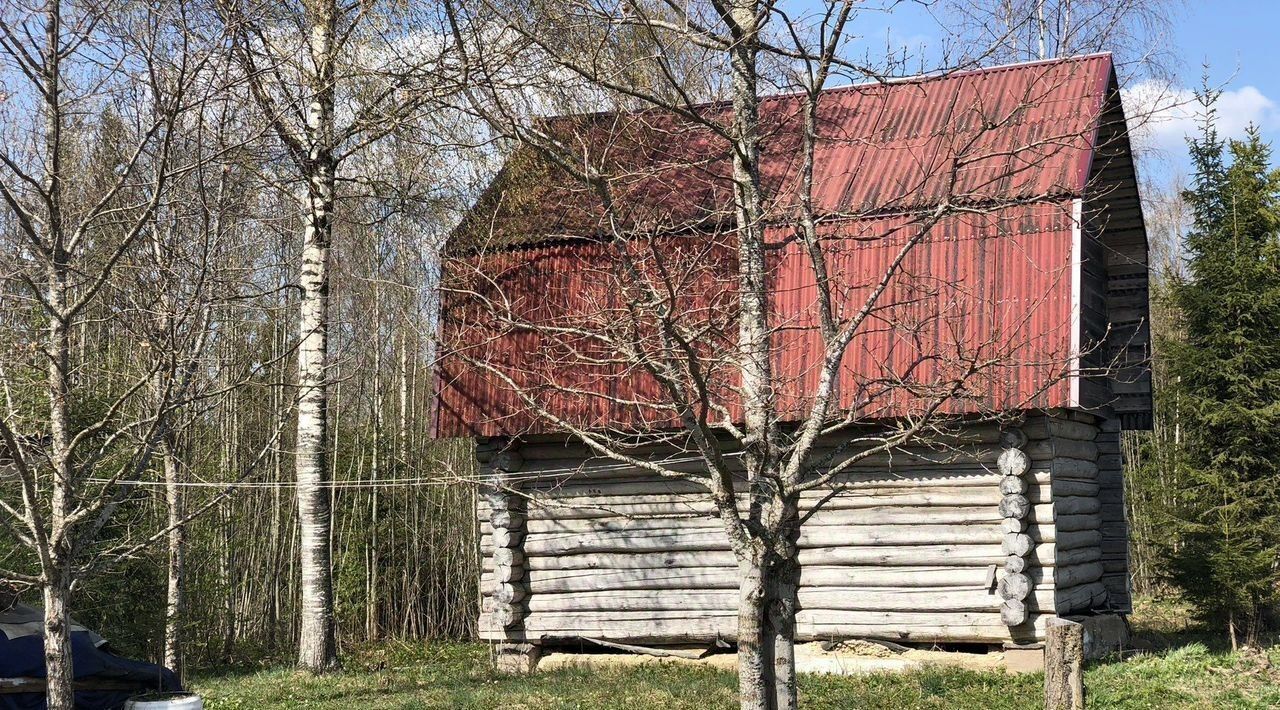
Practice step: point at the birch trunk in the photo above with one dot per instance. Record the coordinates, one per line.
(373, 595)
(317, 648)
(174, 607)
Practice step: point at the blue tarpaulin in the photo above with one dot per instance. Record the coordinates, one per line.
(22, 656)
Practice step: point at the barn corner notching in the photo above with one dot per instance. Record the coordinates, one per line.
(1015, 187)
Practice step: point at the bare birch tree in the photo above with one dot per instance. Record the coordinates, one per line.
(361, 71)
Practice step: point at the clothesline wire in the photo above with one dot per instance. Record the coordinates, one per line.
(391, 482)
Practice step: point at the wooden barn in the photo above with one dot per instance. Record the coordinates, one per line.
(1019, 506)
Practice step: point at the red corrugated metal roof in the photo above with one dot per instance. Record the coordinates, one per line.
(992, 284)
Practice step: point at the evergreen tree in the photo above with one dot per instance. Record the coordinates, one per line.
(1226, 369)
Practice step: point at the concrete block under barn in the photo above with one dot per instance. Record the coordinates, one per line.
(1009, 513)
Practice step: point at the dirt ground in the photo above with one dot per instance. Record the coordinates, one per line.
(845, 658)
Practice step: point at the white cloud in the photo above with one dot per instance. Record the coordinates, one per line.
(1162, 117)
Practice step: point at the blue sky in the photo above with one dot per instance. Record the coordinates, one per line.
(1238, 39)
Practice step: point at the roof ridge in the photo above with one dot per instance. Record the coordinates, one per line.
(896, 81)
(957, 73)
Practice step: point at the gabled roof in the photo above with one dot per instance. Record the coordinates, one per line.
(1034, 155)
(1021, 131)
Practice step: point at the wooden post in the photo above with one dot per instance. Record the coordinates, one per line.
(1063, 665)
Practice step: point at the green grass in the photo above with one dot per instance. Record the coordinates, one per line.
(1188, 673)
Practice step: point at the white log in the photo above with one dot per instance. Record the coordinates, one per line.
(1014, 586)
(508, 573)
(669, 581)
(508, 557)
(498, 500)
(713, 538)
(614, 497)
(1014, 525)
(499, 518)
(1014, 506)
(900, 516)
(509, 593)
(506, 537)
(506, 615)
(1013, 485)
(664, 579)
(699, 601)
(1013, 462)
(683, 627)
(1016, 544)
(1013, 612)
(975, 491)
(1015, 564)
(891, 557)
(557, 581)
(979, 507)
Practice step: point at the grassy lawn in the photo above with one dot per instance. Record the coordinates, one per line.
(1186, 674)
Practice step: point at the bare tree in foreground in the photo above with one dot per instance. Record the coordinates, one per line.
(699, 317)
(101, 94)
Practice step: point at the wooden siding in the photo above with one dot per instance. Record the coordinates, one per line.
(991, 288)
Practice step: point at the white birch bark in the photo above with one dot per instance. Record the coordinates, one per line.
(317, 645)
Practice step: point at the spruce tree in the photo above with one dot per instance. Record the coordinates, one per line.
(1226, 369)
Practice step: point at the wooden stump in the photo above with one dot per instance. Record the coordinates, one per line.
(1063, 665)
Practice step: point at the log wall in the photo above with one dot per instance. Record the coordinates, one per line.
(1115, 523)
(981, 543)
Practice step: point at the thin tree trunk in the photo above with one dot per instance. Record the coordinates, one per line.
(57, 641)
(228, 584)
(753, 666)
(174, 603)
(755, 649)
(55, 562)
(373, 595)
(782, 582)
(56, 567)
